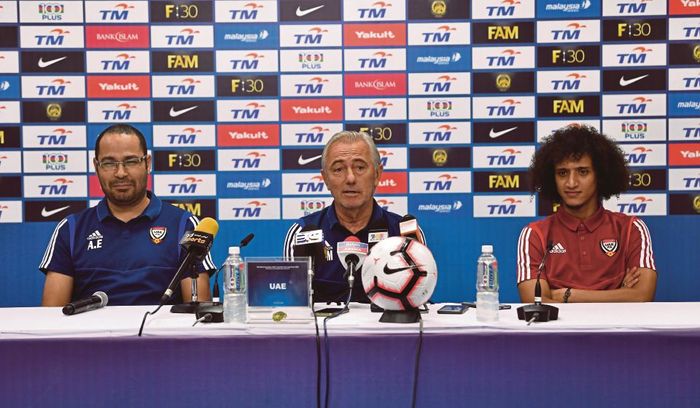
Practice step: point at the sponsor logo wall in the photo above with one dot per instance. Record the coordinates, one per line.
(238, 98)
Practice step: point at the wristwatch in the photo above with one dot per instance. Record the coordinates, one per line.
(566, 295)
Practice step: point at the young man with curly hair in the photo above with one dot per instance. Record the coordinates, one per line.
(595, 255)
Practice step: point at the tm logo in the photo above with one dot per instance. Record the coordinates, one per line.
(315, 86)
(632, 8)
(443, 134)
(251, 111)
(570, 33)
(186, 87)
(638, 155)
(123, 112)
(59, 187)
(57, 88)
(186, 37)
(442, 35)
(58, 137)
(506, 108)
(507, 207)
(188, 186)
(252, 161)
(384, 203)
(507, 10)
(379, 110)
(377, 10)
(377, 61)
(443, 84)
(637, 56)
(506, 158)
(252, 210)
(638, 107)
(248, 12)
(315, 36)
(572, 83)
(314, 135)
(249, 62)
(384, 157)
(120, 12)
(54, 38)
(188, 136)
(693, 132)
(637, 206)
(313, 186)
(120, 63)
(443, 183)
(506, 59)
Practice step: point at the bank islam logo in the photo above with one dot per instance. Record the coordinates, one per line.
(441, 208)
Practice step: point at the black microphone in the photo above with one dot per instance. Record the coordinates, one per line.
(377, 231)
(245, 241)
(96, 301)
(309, 242)
(537, 312)
(197, 244)
(409, 228)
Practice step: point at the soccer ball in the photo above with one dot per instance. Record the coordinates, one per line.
(399, 274)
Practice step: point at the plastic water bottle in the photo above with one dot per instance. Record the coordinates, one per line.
(235, 287)
(487, 285)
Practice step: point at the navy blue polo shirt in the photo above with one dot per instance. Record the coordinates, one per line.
(132, 262)
(329, 284)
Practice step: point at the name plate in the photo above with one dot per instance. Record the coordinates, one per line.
(278, 290)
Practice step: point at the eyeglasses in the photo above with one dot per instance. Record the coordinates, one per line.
(112, 165)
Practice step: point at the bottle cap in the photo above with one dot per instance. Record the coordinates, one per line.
(487, 249)
(234, 250)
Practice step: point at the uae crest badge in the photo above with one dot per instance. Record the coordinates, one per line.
(157, 234)
(609, 246)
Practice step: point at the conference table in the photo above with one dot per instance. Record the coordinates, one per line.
(595, 355)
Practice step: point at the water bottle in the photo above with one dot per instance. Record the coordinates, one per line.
(235, 286)
(487, 285)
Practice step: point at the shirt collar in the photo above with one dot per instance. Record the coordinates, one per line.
(590, 223)
(151, 211)
(332, 218)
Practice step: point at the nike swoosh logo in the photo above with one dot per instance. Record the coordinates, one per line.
(44, 64)
(389, 271)
(47, 214)
(493, 134)
(303, 162)
(625, 82)
(302, 13)
(175, 113)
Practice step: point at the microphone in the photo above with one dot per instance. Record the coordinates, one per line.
(197, 244)
(245, 241)
(408, 227)
(537, 312)
(377, 231)
(309, 242)
(96, 301)
(352, 253)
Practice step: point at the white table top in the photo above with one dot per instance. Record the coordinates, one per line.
(119, 321)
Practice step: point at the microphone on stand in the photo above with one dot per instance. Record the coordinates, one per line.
(96, 301)
(352, 253)
(197, 244)
(408, 227)
(538, 312)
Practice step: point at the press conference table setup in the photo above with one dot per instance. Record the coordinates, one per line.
(636, 355)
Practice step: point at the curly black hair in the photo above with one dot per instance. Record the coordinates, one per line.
(573, 142)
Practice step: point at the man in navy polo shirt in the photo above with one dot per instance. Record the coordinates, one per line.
(594, 255)
(128, 245)
(351, 169)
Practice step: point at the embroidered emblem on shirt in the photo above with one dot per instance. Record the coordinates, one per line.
(157, 234)
(558, 249)
(609, 246)
(94, 240)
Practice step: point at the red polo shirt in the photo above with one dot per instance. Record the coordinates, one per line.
(589, 254)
